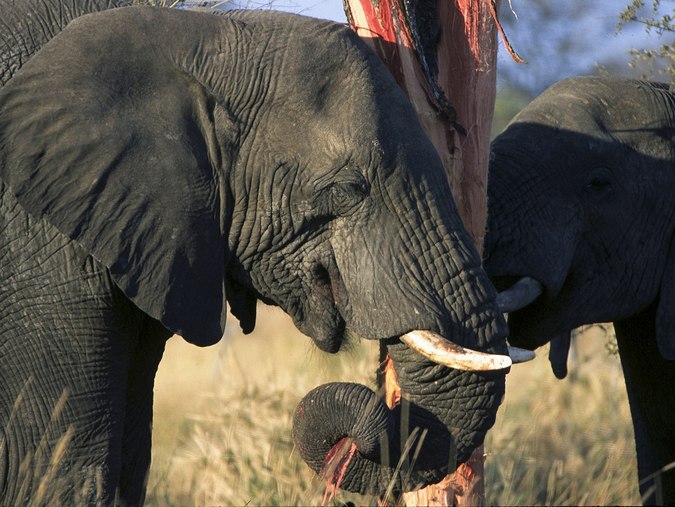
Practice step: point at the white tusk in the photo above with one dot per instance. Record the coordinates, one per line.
(519, 355)
(441, 351)
(521, 294)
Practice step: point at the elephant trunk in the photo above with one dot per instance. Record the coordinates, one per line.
(333, 412)
(415, 444)
(337, 413)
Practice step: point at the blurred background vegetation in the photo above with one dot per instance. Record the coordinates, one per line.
(581, 37)
(223, 414)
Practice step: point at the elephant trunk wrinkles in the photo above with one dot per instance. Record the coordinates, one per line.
(444, 414)
(331, 413)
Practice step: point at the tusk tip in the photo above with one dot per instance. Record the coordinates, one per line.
(519, 355)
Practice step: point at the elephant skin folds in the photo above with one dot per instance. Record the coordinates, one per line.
(83, 343)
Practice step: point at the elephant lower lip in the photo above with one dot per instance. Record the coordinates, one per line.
(323, 319)
(533, 326)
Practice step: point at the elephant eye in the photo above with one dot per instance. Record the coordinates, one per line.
(341, 194)
(599, 181)
(345, 195)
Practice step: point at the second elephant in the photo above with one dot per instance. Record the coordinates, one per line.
(581, 204)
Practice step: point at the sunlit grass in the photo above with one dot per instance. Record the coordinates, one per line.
(223, 425)
(232, 446)
(564, 442)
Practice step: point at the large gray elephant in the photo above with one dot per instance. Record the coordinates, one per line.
(582, 210)
(156, 165)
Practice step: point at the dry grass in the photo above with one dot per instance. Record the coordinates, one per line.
(564, 442)
(223, 419)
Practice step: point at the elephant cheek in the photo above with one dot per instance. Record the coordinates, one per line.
(4, 460)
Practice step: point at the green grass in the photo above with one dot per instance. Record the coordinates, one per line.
(223, 425)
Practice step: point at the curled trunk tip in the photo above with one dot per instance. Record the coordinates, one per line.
(326, 415)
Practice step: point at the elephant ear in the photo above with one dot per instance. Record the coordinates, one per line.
(665, 312)
(105, 139)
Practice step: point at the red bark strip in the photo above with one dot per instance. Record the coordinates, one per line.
(515, 56)
(467, 73)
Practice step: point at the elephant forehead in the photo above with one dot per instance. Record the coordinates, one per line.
(606, 108)
(366, 138)
(334, 86)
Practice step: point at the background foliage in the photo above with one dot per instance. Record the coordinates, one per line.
(659, 61)
(581, 37)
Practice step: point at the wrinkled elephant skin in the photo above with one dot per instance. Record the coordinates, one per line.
(581, 200)
(157, 165)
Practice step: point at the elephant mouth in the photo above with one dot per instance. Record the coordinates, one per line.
(331, 292)
(536, 312)
(526, 301)
(429, 344)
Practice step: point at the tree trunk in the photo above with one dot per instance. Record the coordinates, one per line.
(452, 86)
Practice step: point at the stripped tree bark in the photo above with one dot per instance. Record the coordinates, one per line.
(443, 54)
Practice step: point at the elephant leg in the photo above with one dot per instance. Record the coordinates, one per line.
(650, 382)
(137, 441)
(67, 337)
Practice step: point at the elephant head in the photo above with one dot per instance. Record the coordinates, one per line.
(581, 215)
(577, 203)
(208, 159)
